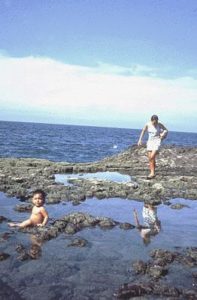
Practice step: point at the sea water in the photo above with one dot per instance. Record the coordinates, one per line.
(98, 269)
(73, 143)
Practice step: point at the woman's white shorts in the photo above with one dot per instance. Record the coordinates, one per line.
(153, 144)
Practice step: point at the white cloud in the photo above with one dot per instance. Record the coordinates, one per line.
(100, 95)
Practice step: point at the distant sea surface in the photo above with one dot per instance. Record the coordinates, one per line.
(73, 143)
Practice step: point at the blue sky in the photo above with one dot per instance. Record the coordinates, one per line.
(148, 46)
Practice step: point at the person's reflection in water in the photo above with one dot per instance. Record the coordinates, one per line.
(32, 252)
(151, 226)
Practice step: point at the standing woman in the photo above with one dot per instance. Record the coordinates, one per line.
(156, 133)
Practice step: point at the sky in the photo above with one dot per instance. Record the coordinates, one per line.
(99, 62)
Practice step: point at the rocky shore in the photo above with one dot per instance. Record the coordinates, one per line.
(168, 274)
(176, 177)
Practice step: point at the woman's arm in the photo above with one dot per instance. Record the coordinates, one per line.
(165, 131)
(142, 134)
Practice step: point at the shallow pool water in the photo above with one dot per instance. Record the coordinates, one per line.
(97, 270)
(109, 176)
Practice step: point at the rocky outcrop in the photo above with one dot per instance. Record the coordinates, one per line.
(178, 206)
(155, 290)
(3, 219)
(149, 275)
(72, 223)
(78, 242)
(176, 176)
(3, 256)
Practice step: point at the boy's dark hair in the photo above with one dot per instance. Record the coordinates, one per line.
(39, 191)
(154, 118)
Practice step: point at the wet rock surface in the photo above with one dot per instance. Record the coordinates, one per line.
(178, 206)
(126, 226)
(154, 290)
(176, 176)
(24, 207)
(4, 256)
(5, 236)
(70, 224)
(78, 242)
(3, 219)
(150, 276)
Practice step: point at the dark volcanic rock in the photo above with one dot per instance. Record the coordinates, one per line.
(149, 280)
(107, 223)
(151, 268)
(192, 252)
(78, 242)
(137, 289)
(166, 290)
(4, 256)
(156, 271)
(163, 255)
(127, 291)
(24, 207)
(189, 258)
(126, 226)
(70, 228)
(70, 224)
(140, 267)
(20, 248)
(5, 236)
(189, 294)
(178, 206)
(23, 256)
(194, 274)
(3, 219)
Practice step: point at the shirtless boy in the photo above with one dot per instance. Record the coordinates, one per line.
(39, 215)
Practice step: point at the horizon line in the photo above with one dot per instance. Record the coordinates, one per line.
(82, 125)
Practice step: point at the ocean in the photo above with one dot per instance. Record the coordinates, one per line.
(73, 143)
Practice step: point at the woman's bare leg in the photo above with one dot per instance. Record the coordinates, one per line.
(152, 162)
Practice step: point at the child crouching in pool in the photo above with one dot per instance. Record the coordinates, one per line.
(39, 215)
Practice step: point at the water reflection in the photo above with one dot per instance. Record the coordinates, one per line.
(151, 224)
(34, 251)
(103, 176)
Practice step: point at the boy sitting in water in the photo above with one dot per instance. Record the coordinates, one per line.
(39, 215)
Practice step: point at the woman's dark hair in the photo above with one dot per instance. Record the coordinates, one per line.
(39, 191)
(154, 118)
